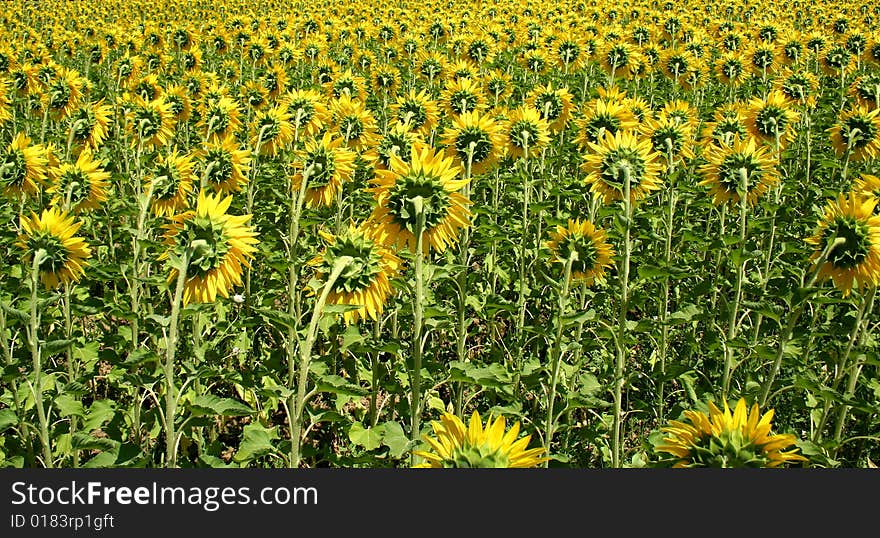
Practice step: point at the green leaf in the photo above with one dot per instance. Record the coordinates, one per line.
(56, 346)
(684, 315)
(100, 411)
(84, 441)
(395, 439)
(369, 438)
(256, 442)
(338, 385)
(7, 419)
(208, 404)
(69, 406)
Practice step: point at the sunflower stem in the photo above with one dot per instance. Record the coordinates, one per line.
(462, 283)
(550, 421)
(793, 318)
(667, 254)
(170, 352)
(856, 367)
(521, 300)
(418, 312)
(71, 370)
(740, 275)
(34, 340)
(620, 363)
(305, 359)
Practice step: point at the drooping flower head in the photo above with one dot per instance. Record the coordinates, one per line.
(79, 186)
(51, 239)
(620, 157)
(224, 165)
(857, 133)
(477, 446)
(327, 164)
(587, 245)
(525, 131)
(366, 281)
(742, 163)
(473, 140)
(855, 262)
(171, 183)
(22, 167)
(430, 179)
(727, 440)
(219, 246)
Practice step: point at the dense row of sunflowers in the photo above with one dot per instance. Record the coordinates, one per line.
(285, 238)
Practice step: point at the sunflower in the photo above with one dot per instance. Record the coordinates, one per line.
(498, 85)
(762, 59)
(89, 124)
(461, 96)
(603, 115)
(587, 244)
(398, 140)
(837, 61)
(525, 131)
(366, 282)
(63, 93)
(171, 184)
(308, 112)
(617, 156)
(731, 69)
(727, 440)
(219, 117)
(669, 138)
(431, 176)
(681, 112)
(346, 83)
(50, 237)
(728, 124)
(569, 54)
(151, 123)
(272, 131)
(148, 87)
(800, 87)
(866, 90)
(385, 81)
(867, 185)
(855, 262)
(474, 139)
(677, 63)
(22, 167)
(274, 80)
(767, 119)
(254, 95)
(476, 446)
(417, 111)
(81, 186)
(857, 133)
(617, 59)
(728, 166)
(328, 164)
(217, 246)
(224, 165)
(355, 124)
(177, 97)
(432, 66)
(554, 105)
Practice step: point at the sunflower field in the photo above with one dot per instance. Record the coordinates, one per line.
(440, 233)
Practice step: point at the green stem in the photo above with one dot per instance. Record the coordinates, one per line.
(793, 318)
(550, 421)
(305, 358)
(170, 352)
(855, 368)
(740, 275)
(418, 313)
(620, 363)
(34, 340)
